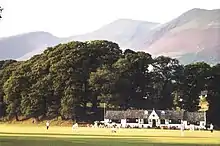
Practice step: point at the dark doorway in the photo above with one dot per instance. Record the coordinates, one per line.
(154, 123)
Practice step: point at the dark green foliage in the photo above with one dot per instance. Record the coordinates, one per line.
(214, 95)
(6, 69)
(73, 80)
(195, 80)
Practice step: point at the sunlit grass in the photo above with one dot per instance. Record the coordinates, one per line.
(23, 135)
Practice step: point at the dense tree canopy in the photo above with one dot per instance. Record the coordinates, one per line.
(73, 80)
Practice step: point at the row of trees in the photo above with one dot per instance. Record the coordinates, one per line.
(74, 79)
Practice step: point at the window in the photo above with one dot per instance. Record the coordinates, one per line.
(175, 121)
(194, 123)
(132, 120)
(141, 121)
(145, 121)
(116, 121)
(162, 121)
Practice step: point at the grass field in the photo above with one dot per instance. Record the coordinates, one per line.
(20, 135)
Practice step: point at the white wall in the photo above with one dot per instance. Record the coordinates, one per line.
(202, 124)
(123, 123)
(147, 125)
(167, 121)
(107, 120)
(153, 116)
(141, 122)
(175, 125)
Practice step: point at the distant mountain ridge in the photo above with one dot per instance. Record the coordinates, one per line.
(17, 46)
(193, 36)
(127, 33)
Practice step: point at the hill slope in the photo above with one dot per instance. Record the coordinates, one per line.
(193, 36)
(127, 33)
(17, 46)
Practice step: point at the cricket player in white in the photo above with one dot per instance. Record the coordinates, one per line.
(75, 126)
(211, 128)
(48, 125)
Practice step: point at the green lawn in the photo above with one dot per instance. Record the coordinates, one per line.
(21, 135)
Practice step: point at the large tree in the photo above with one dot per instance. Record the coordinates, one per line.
(124, 83)
(213, 96)
(195, 81)
(166, 74)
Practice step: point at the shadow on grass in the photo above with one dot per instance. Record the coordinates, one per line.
(44, 141)
(96, 135)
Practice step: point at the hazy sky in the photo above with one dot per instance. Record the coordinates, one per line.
(71, 17)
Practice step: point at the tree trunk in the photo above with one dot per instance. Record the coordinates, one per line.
(16, 117)
(94, 105)
(85, 106)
